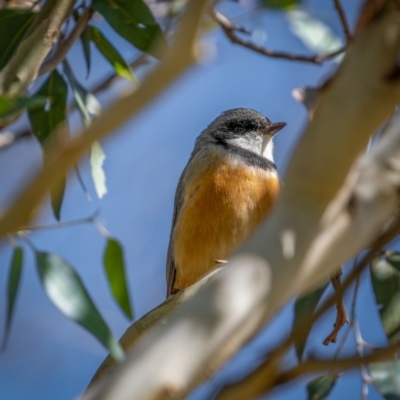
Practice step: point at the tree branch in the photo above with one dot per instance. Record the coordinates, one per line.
(67, 43)
(229, 29)
(24, 64)
(343, 20)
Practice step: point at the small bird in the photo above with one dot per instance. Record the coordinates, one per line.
(227, 188)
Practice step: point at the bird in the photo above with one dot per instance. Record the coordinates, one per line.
(229, 185)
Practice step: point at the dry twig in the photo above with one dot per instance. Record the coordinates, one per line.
(230, 28)
(343, 20)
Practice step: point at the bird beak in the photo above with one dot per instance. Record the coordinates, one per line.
(274, 128)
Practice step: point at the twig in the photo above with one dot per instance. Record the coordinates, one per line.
(230, 28)
(341, 314)
(343, 20)
(67, 43)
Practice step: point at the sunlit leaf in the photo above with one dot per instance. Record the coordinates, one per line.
(13, 281)
(386, 377)
(97, 158)
(321, 387)
(305, 306)
(133, 20)
(386, 286)
(317, 36)
(279, 3)
(45, 120)
(66, 290)
(10, 106)
(114, 266)
(13, 25)
(121, 67)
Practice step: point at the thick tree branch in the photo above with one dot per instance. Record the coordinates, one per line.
(24, 64)
(67, 43)
(229, 29)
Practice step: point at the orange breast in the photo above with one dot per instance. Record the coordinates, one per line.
(219, 212)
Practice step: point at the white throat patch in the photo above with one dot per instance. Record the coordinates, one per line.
(268, 149)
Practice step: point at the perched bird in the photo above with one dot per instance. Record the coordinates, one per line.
(227, 188)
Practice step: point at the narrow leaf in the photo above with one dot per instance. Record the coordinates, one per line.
(10, 106)
(66, 290)
(114, 266)
(45, 120)
(13, 25)
(279, 3)
(321, 387)
(121, 67)
(133, 20)
(386, 377)
(304, 307)
(85, 40)
(316, 35)
(97, 158)
(14, 277)
(386, 286)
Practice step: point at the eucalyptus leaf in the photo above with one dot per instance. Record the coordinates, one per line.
(280, 3)
(133, 20)
(13, 105)
(393, 258)
(46, 119)
(386, 377)
(121, 67)
(114, 266)
(13, 25)
(97, 158)
(14, 277)
(315, 34)
(85, 40)
(67, 292)
(320, 388)
(386, 287)
(304, 307)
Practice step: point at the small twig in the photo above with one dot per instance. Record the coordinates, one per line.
(230, 28)
(66, 224)
(343, 20)
(67, 43)
(341, 314)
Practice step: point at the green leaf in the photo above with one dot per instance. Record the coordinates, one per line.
(279, 3)
(85, 39)
(133, 20)
(386, 286)
(45, 120)
(121, 67)
(97, 158)
(386, 377)
(88, 105)
(316, 35)
(66, 290)
(393, 258)
(304, 307)
(13, 25)
(114, 266)
(10, 105)
(14, 277)
(321, 387)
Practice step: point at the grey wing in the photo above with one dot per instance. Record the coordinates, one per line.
(171, 268)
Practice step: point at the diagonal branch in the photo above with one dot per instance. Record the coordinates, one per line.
(36, 44)
(230, 28)
(67, 43)
(343, 20)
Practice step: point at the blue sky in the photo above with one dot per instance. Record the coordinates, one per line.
(50, 357)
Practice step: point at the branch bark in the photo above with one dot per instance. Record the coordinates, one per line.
(24, 64)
